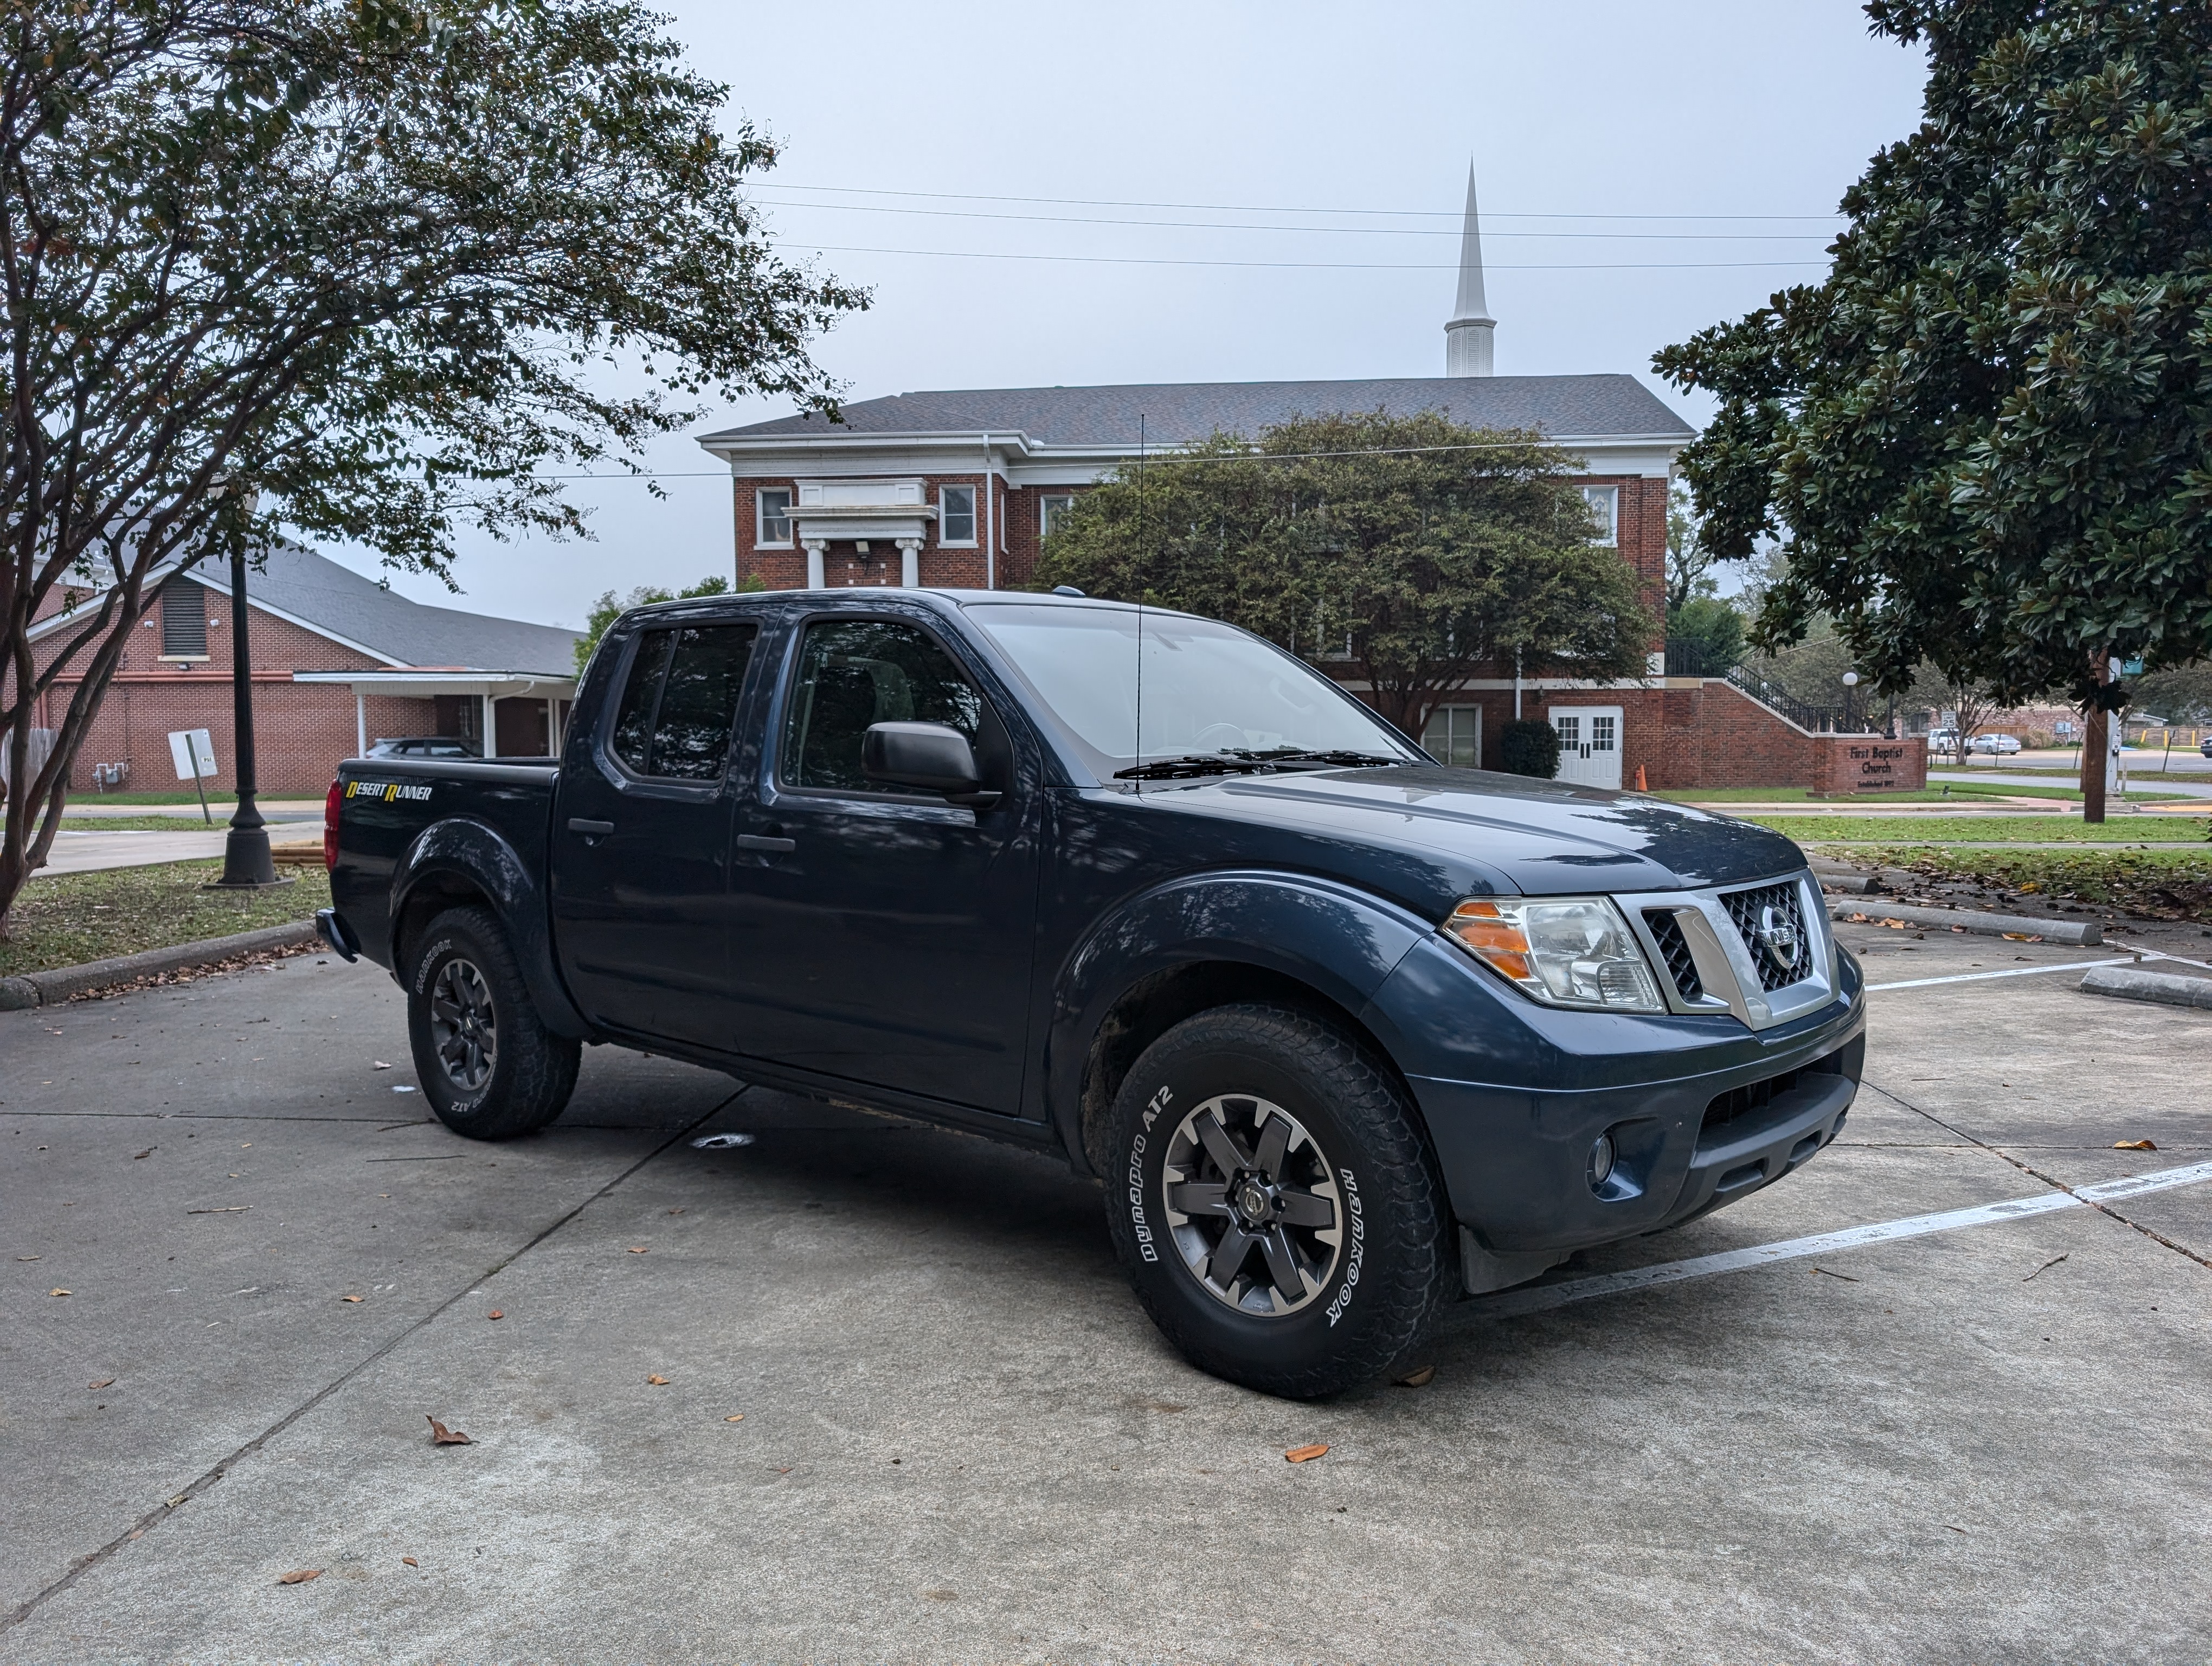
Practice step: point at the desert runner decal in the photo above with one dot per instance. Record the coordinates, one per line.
(387, 790)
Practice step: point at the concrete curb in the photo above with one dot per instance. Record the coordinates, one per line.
(47, 988)
(2129, 983)
(2082, 931)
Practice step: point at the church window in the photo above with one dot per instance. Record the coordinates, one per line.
(955, 514)
(1603, 503)
(1053, 508)
(774, 505)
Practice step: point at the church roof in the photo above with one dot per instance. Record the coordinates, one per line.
(1561, 407)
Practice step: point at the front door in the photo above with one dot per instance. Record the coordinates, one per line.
(1590, 744)
(878, 935)
(641, 836)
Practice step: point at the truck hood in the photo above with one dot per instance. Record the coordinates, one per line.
(1537, 837)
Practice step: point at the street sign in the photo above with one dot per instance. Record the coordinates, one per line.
(192, 751)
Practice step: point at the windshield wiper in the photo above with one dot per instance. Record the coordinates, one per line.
(1244, 763)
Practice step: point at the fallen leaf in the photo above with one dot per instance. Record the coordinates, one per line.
(226, 1209)
(1845, 1277)
(58, 1292)
(30, 1258)
(1305, 1454)
(2134, 1145)
(637, 1250)
(148, 1152)
(380, 1065)
(737, 1417)
(410, 1561)
(658, 1381)
(940, 1596)
(2047, 1266)
(348, 1299)
(299, 1575)
(441, 1435)
(675, 1212)
(1954, 1530)
(104, 1382)
(1417, 1379)
(496, 1313)
(176, 1499)
(2021, 937)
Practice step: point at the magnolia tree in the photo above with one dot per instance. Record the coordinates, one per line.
(366, 268)
(1985, 437)
(1424, 552)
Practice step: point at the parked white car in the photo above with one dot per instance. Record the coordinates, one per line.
(2002, 744)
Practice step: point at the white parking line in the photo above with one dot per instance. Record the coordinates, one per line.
(2010, 971)
(1509, 1303)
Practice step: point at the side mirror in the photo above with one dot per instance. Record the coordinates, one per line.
(932, 757)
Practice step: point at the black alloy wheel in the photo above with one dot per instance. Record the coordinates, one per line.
(1275, 1202)
(488, 1065)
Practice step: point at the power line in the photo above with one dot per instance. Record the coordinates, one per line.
(1326, 231)
(1336, 265)
(1247, 208)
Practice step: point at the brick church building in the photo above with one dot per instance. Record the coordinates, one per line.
(959, 490)
(336, 662)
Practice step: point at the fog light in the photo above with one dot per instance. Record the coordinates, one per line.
(1601, 1161)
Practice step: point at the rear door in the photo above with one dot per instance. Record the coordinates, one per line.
(641, 836)
(879, 935)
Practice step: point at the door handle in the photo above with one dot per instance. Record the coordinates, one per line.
(762, 841)
(590, 830)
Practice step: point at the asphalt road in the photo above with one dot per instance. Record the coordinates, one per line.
(961, 1441)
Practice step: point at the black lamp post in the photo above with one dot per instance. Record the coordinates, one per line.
(246, 864)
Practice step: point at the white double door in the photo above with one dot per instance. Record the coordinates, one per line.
(1590, 744)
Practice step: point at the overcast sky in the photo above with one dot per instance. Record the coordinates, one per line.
(929, 151)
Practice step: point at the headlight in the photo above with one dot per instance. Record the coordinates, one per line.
(1563, 951)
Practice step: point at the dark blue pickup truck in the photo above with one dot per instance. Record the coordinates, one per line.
(1343, 1032)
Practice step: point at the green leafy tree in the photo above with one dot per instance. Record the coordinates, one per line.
(609, 607)
(1422, 551)
(1987, 437)
(366, 269)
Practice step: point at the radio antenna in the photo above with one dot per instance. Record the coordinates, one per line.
(1141, 527)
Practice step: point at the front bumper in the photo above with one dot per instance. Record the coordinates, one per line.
(1701, 1110)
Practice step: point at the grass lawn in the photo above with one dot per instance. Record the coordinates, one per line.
(2009, 829)
(72, 918)
(1935, 794)
(2161, 884)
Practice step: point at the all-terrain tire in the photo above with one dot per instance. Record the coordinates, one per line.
(1296, 1315)
(488, 1065)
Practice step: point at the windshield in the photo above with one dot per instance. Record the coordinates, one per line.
(1208, 689)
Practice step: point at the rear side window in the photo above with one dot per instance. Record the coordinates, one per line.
(853, 672)
(680, 701)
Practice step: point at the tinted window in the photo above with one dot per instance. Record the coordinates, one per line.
(633, 732)
(680, 701)
(853, 672)
(691, 735)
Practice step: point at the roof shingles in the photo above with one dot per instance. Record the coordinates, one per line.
(1564, 407)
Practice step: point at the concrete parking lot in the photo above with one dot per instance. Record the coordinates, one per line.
(960, 1440)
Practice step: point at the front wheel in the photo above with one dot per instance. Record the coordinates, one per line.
(1276, 1203)
(490, 1067)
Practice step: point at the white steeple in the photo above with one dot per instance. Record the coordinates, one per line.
(1468, 338)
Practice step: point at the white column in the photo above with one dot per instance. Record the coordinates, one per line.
(490, 745)
(360, 725)
(910, 550)
(814, 547)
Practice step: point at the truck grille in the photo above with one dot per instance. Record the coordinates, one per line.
(1771, 923)
(1737, 1102)
(1666, 933)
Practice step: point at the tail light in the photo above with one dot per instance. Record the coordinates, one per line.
(331, 801)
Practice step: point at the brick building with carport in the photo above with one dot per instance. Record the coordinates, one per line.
(337, 660)
(957, 490)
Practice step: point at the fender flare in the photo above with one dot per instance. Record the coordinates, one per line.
(463, 847)
(1341, 942)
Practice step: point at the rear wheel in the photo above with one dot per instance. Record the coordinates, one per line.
(490, 1067)
(1275, 1204)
